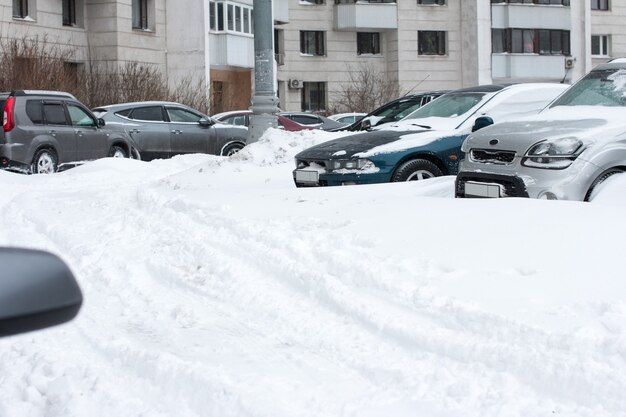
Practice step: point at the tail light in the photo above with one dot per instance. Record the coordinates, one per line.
(8, 122)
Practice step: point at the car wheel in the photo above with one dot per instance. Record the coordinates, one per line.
(603, 177)
(44, 162)
(415, 170)
(232, 149)
(117, 152)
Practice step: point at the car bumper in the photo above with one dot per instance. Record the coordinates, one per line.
(516, 180)
(331, 179)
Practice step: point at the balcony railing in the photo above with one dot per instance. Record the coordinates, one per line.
(366, 15)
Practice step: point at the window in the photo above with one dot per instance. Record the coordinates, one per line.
(69, 12)
(148, 114)
(430, 42)
(437, 2)
(226, 16)
(178, 115)
(312, 1)
(237, 120)
(600, 45)
(34, 110)
(54, 114)
(140, 14)
(80, 117)
(314, 96)
(530, 41)
(599, 4)
(20, 8)
(368, 43)
(312, 42)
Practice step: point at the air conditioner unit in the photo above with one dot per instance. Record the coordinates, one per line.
(569, 62)
(295, 83)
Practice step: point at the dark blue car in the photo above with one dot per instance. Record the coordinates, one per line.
(425, 144)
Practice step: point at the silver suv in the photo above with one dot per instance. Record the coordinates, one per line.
(562, 153)
(46, 131)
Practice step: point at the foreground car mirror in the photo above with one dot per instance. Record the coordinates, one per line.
(37, 290)
(366, 124)
(101, 122)
(204, 122)
(482, 121)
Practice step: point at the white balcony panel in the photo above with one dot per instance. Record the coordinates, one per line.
(280, 8)
(227, 49)
(366, 16)
(531, 16)
(519, 67)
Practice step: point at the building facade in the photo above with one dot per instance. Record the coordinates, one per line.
(441, 44)
(416, 45)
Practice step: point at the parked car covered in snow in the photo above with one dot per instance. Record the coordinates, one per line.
(425, 144)
(163, 129)
(565, 152)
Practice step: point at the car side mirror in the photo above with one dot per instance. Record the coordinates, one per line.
(366, 124)
(482, 121)
(101, 122)
(37, 290)
(204, 122)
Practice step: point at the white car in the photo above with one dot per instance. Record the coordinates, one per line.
(347, 117)
(563, 153)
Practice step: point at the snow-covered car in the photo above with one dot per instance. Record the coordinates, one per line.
(565, 152)
(314, 120)
(425, 144)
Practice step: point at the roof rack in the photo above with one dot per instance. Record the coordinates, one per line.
(43, 93)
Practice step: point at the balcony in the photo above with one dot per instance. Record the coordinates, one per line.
(280, 8)
(527, 67)
(364, 15)
(232, 50)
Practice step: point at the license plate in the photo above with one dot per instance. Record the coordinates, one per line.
(303, 175)
(479, 189)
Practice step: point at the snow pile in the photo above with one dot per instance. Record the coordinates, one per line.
(214, 287)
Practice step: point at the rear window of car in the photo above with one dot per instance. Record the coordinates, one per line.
(148, 114)
(34, 111)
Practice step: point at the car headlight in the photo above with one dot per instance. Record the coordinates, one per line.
(556, 154)
(352, 164)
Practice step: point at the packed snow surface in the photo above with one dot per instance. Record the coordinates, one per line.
(214, 287)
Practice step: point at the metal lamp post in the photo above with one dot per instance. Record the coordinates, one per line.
(264, 100)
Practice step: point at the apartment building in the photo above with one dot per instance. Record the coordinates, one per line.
(417, 45)
(441, 44)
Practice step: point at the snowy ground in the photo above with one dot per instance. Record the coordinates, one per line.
(214, 287)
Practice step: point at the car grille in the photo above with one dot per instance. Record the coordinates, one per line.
(302, 163)
(513, 186)
(487, 156)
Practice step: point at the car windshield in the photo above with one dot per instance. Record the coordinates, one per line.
(598, 88)
(448, 105)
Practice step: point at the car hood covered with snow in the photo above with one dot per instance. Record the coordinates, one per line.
(589, 124)
(348, 146)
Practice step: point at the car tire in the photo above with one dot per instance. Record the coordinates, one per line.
(117, 152)
(232, 149)
(416, 169)
(44, 162)
(603, 177)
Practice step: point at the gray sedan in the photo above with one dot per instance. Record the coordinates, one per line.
(165, 129)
